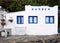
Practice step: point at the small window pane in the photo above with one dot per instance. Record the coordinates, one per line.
(18, 20)
(31, 19)
(47, 19)
(35, 19)
(51, 19)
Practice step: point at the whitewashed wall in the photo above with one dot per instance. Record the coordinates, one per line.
(33, 29)
(2, 12)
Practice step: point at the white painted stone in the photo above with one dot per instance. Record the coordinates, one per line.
(41, 28)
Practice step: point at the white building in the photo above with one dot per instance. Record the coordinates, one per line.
(2, 12)
(35, 20)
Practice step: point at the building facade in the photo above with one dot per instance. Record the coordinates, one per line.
(35, 20)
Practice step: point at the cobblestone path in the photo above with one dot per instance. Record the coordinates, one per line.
(31, 39)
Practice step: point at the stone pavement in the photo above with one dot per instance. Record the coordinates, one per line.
(31, 39)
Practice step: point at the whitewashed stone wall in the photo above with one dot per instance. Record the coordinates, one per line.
(41, 28)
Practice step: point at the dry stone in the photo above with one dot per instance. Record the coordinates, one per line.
(31, 39)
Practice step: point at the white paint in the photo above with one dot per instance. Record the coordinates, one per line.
(2, 12)
(33, 29)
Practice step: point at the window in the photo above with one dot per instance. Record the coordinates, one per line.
(49, 19)
(58, 30)
(20, 19)
(32, 19)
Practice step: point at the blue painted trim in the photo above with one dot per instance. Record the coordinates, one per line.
(45, 8)
(35, 8)
(21, 21)
(17, 20)
(32, 20)
(48, 8)
(32, 8)
(42, 8)
(49, 20)
(39, 8)
(58, 31)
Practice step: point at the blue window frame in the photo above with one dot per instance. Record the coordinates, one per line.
(20, 19)
(58, 30)
(49, 19)
(32, 19)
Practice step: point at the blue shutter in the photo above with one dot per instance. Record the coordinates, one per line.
(49, 19)
(33, 22)
(58, 30)
(20, 20)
